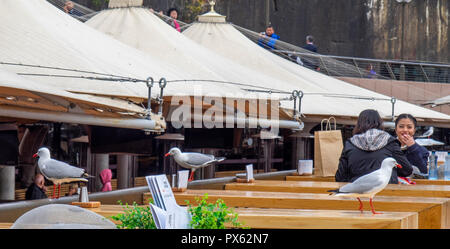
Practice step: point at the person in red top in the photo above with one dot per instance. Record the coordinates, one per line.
(173, 13)
(106, 176)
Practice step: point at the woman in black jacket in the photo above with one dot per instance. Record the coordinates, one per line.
(369, 146)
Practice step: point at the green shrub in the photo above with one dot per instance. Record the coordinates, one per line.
(135, 217)
(212, 215)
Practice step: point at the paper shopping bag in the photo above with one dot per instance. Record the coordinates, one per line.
(327, 149)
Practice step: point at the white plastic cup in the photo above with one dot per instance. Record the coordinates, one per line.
(305, 167)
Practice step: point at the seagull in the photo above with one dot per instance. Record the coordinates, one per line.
(192, 160)
(369, 185)
(428, 133)
(58, 172)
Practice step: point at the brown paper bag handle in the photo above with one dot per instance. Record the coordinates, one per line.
(328, 126)
(321, 124)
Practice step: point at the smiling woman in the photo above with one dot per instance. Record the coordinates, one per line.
(405, 128)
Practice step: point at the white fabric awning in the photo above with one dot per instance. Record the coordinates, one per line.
(324, 95)
(22, 98)
(38, 34)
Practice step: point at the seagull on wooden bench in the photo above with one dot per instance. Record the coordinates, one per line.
(369, 185)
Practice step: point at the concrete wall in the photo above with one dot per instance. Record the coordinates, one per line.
(413, 92)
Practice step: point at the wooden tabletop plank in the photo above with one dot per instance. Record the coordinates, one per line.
(325, 219)
(5, 225)
(432, 211)
(310, 219)
(332, 179)
(322, 187)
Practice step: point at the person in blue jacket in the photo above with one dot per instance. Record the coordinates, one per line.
(268, 38)
(405, 128)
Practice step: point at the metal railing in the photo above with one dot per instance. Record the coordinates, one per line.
(372, 68)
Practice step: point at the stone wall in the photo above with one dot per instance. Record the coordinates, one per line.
(359, 28)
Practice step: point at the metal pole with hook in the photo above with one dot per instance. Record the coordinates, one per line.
(162, 85)
(300, 96)
(393, 100)
(294, 96)
(149, 83)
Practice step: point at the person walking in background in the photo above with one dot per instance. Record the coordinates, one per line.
(268, 39)
(69, 9)
(37, 189)
(367, 148)
(405, 128)
(106, 176)
(309, 61)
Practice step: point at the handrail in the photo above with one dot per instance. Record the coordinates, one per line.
(382, 68)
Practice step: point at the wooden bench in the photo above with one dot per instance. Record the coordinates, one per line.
(432, 211)
(331, 179)
(322, 187)
(308, 219)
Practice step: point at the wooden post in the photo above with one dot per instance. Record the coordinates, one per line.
(209, 171)
(123, 171)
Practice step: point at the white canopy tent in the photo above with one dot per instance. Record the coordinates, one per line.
(140, 28)
(49, 38)
(24, 99)
(323, 95)
(49, 46)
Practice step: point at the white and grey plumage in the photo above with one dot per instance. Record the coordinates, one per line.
(58, 172)
(428, 133)
(369, 185)
(193, 160)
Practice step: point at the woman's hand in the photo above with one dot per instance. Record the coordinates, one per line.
(407, 139)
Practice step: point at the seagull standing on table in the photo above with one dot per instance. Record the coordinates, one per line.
(369, 185)
(58, 172)
(193, 160)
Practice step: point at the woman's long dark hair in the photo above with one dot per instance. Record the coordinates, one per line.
(368, 119)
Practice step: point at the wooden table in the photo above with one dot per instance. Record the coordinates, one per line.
(5, 225)
(308, 219)
(324, 219)
(432, 211)
(331, 179)
(322, 187)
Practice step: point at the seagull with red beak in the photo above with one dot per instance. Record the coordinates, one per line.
(193, 160)
(58, 172)
(369, 185)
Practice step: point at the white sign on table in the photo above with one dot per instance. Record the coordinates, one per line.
(166, 212)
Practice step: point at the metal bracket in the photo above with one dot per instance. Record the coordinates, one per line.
(149, 83)
(162, 85)
(297, 94)
(393, 100)
(294, 96)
